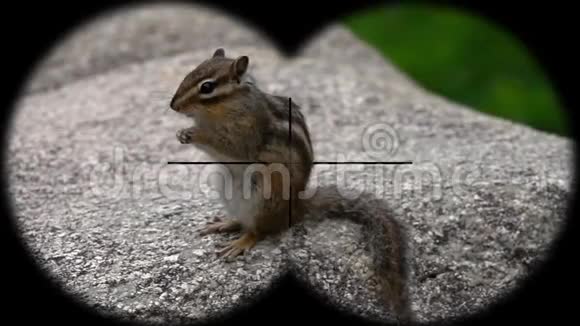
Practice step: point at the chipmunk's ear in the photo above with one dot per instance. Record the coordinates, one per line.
(239, 66)
(219, 53)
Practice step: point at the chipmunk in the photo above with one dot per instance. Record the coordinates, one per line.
(248, 131)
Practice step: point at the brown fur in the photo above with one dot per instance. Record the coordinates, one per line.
(240, 122)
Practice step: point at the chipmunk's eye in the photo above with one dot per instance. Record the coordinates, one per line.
(207, 87)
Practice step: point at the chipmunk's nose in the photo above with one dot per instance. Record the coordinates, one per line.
(172, 104)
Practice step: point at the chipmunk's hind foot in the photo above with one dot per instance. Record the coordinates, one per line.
(239, 246)
(221, 226)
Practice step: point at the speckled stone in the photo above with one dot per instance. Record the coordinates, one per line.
(114, 225)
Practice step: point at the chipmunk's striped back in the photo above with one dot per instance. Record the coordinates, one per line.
(289, 126)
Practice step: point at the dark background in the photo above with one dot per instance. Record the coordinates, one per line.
(28, 29)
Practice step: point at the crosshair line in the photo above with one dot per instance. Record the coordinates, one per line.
(213, 162)
(290, 153)
(374, 163)
(315, 162)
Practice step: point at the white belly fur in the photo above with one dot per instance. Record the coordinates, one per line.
(235, 193)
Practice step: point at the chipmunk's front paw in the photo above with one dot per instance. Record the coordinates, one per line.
(185, 136)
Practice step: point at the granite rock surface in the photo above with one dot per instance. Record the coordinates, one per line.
(114, 225)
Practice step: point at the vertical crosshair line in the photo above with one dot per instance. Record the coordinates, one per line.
(290, 157)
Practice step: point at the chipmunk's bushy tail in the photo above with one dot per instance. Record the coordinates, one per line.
(387, 239)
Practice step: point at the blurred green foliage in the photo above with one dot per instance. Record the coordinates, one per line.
(465, 58)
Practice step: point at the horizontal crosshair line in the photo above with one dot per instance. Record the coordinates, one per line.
(396, 162)
(214, 162)
(324, 162)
